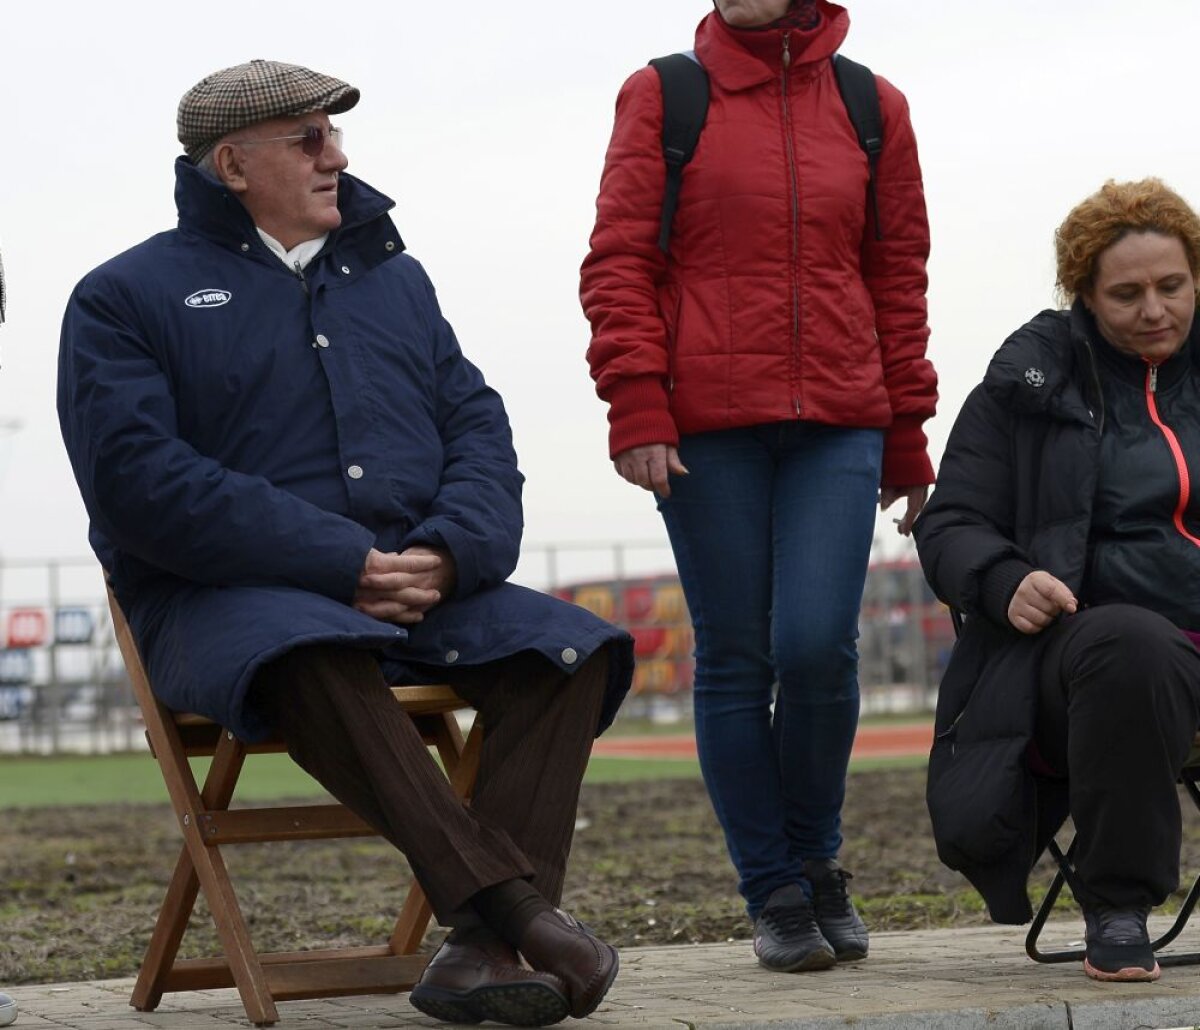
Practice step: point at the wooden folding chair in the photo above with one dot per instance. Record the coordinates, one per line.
(207, 824)
(1065, 874)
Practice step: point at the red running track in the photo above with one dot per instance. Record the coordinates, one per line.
(898, 740)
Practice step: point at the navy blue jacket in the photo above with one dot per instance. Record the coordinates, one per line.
(242, 436)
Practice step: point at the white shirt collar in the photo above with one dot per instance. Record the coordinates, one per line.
(300, 255)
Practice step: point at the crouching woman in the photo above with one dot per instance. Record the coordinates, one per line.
(1065, 529)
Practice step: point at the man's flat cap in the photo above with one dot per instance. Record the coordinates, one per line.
(247, 93)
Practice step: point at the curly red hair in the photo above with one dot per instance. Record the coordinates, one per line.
(1113, 212)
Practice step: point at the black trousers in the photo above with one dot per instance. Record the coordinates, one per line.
(1119, 706)
(342, 726)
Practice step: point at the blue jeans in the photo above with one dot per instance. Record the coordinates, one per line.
(772, 533)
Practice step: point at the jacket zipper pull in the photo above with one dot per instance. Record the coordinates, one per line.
(300, 276)
(787, 53)
(1153, 379)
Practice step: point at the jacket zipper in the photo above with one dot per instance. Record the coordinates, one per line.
(1097, 391)
(1181, 469)
(795, 234)
(303, 281)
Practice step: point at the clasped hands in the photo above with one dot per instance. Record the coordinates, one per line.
(402, 587)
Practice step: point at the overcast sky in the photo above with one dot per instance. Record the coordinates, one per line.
(487, 123)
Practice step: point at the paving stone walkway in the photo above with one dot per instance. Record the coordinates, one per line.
(970, 979)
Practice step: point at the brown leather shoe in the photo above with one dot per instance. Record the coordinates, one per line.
(476, 976)
(556, 942)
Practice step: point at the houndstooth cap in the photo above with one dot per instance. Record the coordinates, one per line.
(247, 93)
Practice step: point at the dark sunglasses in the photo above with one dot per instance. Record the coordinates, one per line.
(312, 140)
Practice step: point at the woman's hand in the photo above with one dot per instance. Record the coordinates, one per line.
(1039, 600)
(916, 496)
(649, 466)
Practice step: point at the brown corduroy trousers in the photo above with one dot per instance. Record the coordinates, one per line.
(341, 725)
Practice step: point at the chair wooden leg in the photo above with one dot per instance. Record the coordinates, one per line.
(463, 773)
(184, 886)
(205, 866)
(248, 974)
(172, 921)
(412, 923)
(235, 940)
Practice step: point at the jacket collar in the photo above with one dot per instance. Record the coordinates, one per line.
(1127, 368)
(210, 210)
(740, 59)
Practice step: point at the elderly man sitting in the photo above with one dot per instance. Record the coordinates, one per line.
(303, 491)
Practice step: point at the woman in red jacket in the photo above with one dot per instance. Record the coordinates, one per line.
(767, 380)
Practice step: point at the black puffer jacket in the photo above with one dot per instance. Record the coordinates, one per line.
(1015, 492)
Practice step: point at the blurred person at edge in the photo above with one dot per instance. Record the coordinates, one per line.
(8, 1007)
(1065, 528)
(303, 492)
(767, 380)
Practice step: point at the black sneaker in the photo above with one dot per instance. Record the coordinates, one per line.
(836, 916)
(786, 936)
(1118, 945)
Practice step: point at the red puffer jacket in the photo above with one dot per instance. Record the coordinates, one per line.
(776, 302)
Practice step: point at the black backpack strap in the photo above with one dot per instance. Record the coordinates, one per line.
(685, 108)
(860, 94)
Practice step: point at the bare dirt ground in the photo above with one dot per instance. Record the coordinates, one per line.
(80, 887)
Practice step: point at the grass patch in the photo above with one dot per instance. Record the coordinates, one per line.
(44, 782)
(903, 762)
(36, 781)
(897, 719)
(625, 770)
(41, 782)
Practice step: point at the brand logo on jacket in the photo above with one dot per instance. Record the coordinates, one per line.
(1035, 377)
(208, 298)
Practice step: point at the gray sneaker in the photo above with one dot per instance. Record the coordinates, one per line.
(1118, 945)
(836, 915)
(786, 936)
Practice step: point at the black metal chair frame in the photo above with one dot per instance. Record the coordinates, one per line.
(1065, 873)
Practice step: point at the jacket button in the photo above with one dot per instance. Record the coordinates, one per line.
(355, 472)
(451, 656)
(345, 270)
(570, 656)
(322, 340)
(245, 247)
